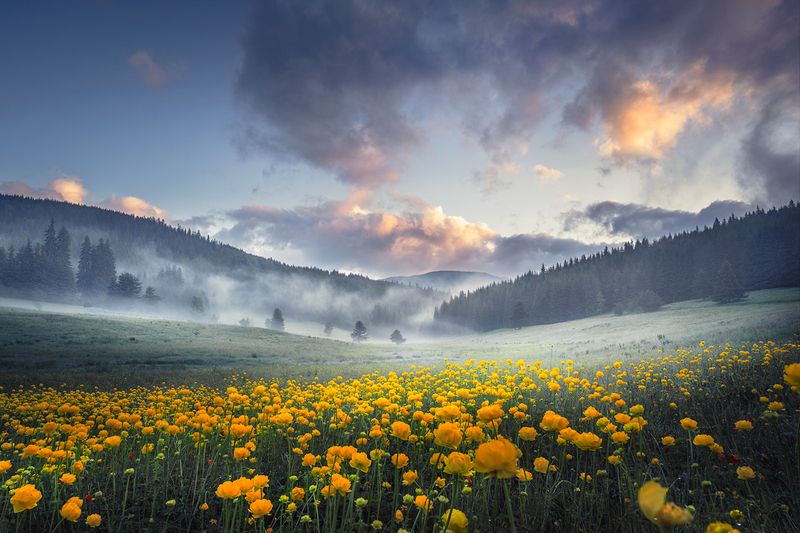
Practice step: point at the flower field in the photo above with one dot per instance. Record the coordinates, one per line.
(699, 439)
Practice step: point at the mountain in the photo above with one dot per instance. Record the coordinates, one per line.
(183, 265)
(760, 250)
(451, 281)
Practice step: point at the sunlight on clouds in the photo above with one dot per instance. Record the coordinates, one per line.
(133, 206)
(647, 120)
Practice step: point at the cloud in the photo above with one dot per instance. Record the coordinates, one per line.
(65, 188)
(70, 189)
(133, 206)
(346, 87)
(636, 221)
(771, 152)
(153, 74)
(545, 174)
(423, 237)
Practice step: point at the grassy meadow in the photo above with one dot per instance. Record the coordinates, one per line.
(684, 419)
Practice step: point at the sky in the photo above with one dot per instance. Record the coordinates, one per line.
(391, 138)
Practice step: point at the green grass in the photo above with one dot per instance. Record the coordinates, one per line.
(55, 347)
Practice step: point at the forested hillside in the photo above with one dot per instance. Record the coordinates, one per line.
(183, 265)
(760, 250)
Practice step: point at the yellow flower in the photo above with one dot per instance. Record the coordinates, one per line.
(360, 461)
(668, 440)
(399, 460)
(409, 477)
(775, 406)
(490, 413)
(227, 490)
(614, 459)
(422, 503)
(244, 484)
(240, 454)
(401, 430)
(524, 475)
(67, 479)
(553, 422)
(588, 441)
(113, 442)
(703, 440)
(298, 493)
(528, 433)
(791, 375)
(652, 502)
(592, 413)
(260, 508)
(25, 498)
(455, 521)
(309, 459)
(458, 464)
(475, 434)
(70, 512)
(620, 437)
(340, 484)
(721, 527)
(497, 458)
(4, 465)
(745, 473)
(448, 435)
(93, 520)
(743, 425)
(261, 481)
(688, 424)
(541, 465)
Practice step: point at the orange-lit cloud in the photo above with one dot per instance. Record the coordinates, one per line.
(133, 206)
(645, 121)
(152, 73)
(70, 189)
(545, 174)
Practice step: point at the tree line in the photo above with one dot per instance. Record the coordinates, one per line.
(45, 270)
(759, 250)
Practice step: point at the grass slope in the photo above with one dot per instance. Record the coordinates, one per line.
(55, 346)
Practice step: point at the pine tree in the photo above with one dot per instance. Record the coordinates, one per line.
(518, 315)
(277, 320)
(328, 329)
(150, 296)
(85, 279)
(727, 288)
(359, 332)
(127, 286)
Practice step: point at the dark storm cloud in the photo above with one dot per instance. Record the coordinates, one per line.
(340, 84)
(638, 221)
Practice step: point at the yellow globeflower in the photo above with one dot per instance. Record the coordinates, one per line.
(669, 440)
(4, 465)
(458, 464)
(340, 484)
(227, 490)
(70, 512)
(25, 498)
(260, 508)
(423, 503)
(489, 413)
(620, 437)
(743, 425)
(261, 481)
(528, 433)
(551, 421)
(409, 477)
(745, 473)
(93, 520)
(360, 461)
(497, 458)
(688, 424)
(524, 475)
(399, 460)
(401, 430)
(448, 435)
(791, 375)
(721, 527)
(67, 478)
(541, 465)
(455, 521)
(652, 502)
(703, 440)
(588, 441)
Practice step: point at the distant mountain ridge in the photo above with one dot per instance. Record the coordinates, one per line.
(451, 281)
(251, 284)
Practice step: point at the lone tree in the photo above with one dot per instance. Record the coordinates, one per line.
(518, 315)
(727, 288)
(359, 332)
(328, 329)
(245, 322)
(397, 337)
(127, 286)
(150, 296)
(277, 320)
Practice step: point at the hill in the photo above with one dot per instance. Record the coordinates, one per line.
(451, 281)
(184, 266)
(760, 250)
(53, 343)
